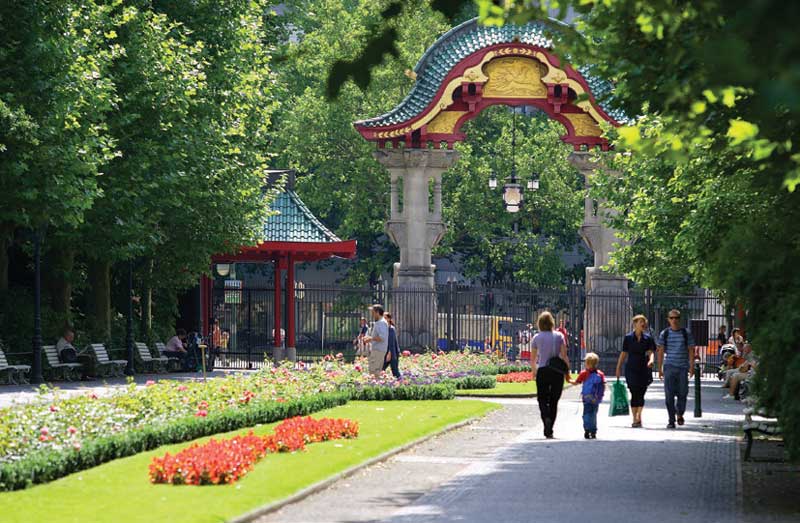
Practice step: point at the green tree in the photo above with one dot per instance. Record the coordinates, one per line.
(54, 95)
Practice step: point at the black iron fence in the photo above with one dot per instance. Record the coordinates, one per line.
(454, 317)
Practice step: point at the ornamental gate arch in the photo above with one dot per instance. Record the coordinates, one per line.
(469, 68)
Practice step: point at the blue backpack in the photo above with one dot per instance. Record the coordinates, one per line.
(593, 389)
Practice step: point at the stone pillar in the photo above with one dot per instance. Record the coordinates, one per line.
(415, 229)
(608, 305)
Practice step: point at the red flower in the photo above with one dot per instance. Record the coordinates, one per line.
(72, 430)
(202, 405)
(225, 461)
(53, 408)
(182, 388)
(201, 413)
(515, 377)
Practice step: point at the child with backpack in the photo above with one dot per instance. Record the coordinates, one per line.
(594, 387)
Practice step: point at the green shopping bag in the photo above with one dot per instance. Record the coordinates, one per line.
(619, 400)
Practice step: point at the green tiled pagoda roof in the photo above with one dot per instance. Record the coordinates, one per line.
(294, 222)
(457, 44)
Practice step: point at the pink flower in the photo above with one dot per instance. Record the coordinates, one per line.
(201, 414)
(202, 405)
(183, 388)
(358, 368)
(44, 438)
(301, 365)
(406, 353)
(76, 445)
(53, 408)
(44, 431)
(339, 356)
(72, 430)
(93, 396)
(149, 383)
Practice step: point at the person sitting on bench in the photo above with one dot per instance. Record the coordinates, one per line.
(175, 348)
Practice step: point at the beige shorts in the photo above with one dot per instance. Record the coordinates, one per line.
(376, 359)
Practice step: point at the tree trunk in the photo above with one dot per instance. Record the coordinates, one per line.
(6, 237)
(60, 262)
(147, 298)
(100, 285)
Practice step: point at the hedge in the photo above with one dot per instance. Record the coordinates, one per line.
(492, 370)
(475, 382)
(438, 391)
(44, 466)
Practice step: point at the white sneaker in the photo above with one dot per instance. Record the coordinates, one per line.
(727, 397)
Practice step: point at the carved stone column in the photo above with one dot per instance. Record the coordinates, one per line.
(416, 229)
(608, 305)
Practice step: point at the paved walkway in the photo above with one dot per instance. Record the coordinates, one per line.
(501, 469)
(16, 394)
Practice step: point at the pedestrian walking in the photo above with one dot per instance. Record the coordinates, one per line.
(550, 366)
(675, 359)
(362, 349)
(378, 339)
(592, 392)
(393, 353)
(638, 353)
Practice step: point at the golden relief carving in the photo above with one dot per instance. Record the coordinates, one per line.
(445, 122)
(584, 124)
(393, 134)
(514, 77)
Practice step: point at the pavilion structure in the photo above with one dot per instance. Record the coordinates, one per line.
(293, 234)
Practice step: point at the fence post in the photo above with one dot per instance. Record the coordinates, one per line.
(698, 409)
(249, 328)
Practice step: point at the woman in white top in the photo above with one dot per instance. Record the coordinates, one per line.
(549, 345)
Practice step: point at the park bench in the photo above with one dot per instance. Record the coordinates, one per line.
(56, 370)
(174, 364)
(146, 360)
(103, 365)
(12, 374)
(768, 426)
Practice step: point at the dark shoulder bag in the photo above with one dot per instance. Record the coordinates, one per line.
(557, 364)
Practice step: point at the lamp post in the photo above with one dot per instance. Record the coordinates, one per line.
(36, 367)
(512, 190)
(129, 368)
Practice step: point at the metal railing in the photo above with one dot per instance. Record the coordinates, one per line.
(455, 317)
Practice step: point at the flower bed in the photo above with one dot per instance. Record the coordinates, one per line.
(47, 439)
(225, 461)
(515, 377)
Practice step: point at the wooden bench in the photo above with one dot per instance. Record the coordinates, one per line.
(103, 365)
(56, 370)
(13, 374)
(769, 426)
(148, 362)
(174, 364)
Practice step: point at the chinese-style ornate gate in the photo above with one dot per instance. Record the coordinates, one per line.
(469, 68)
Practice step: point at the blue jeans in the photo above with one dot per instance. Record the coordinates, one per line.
(590, 416)
(676, 383)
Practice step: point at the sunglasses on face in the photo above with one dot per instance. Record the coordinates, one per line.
(674, 317)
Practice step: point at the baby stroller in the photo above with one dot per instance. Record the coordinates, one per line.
(725, 352)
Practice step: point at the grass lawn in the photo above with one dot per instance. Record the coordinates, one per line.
(119, 491)
(502, 389)
(505, 389)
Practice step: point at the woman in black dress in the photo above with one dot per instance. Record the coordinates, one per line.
(639, 349)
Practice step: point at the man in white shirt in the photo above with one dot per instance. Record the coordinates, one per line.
(379, 340)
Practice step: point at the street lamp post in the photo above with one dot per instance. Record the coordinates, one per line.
(512, 190)
(36, 367)
(129, 368)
